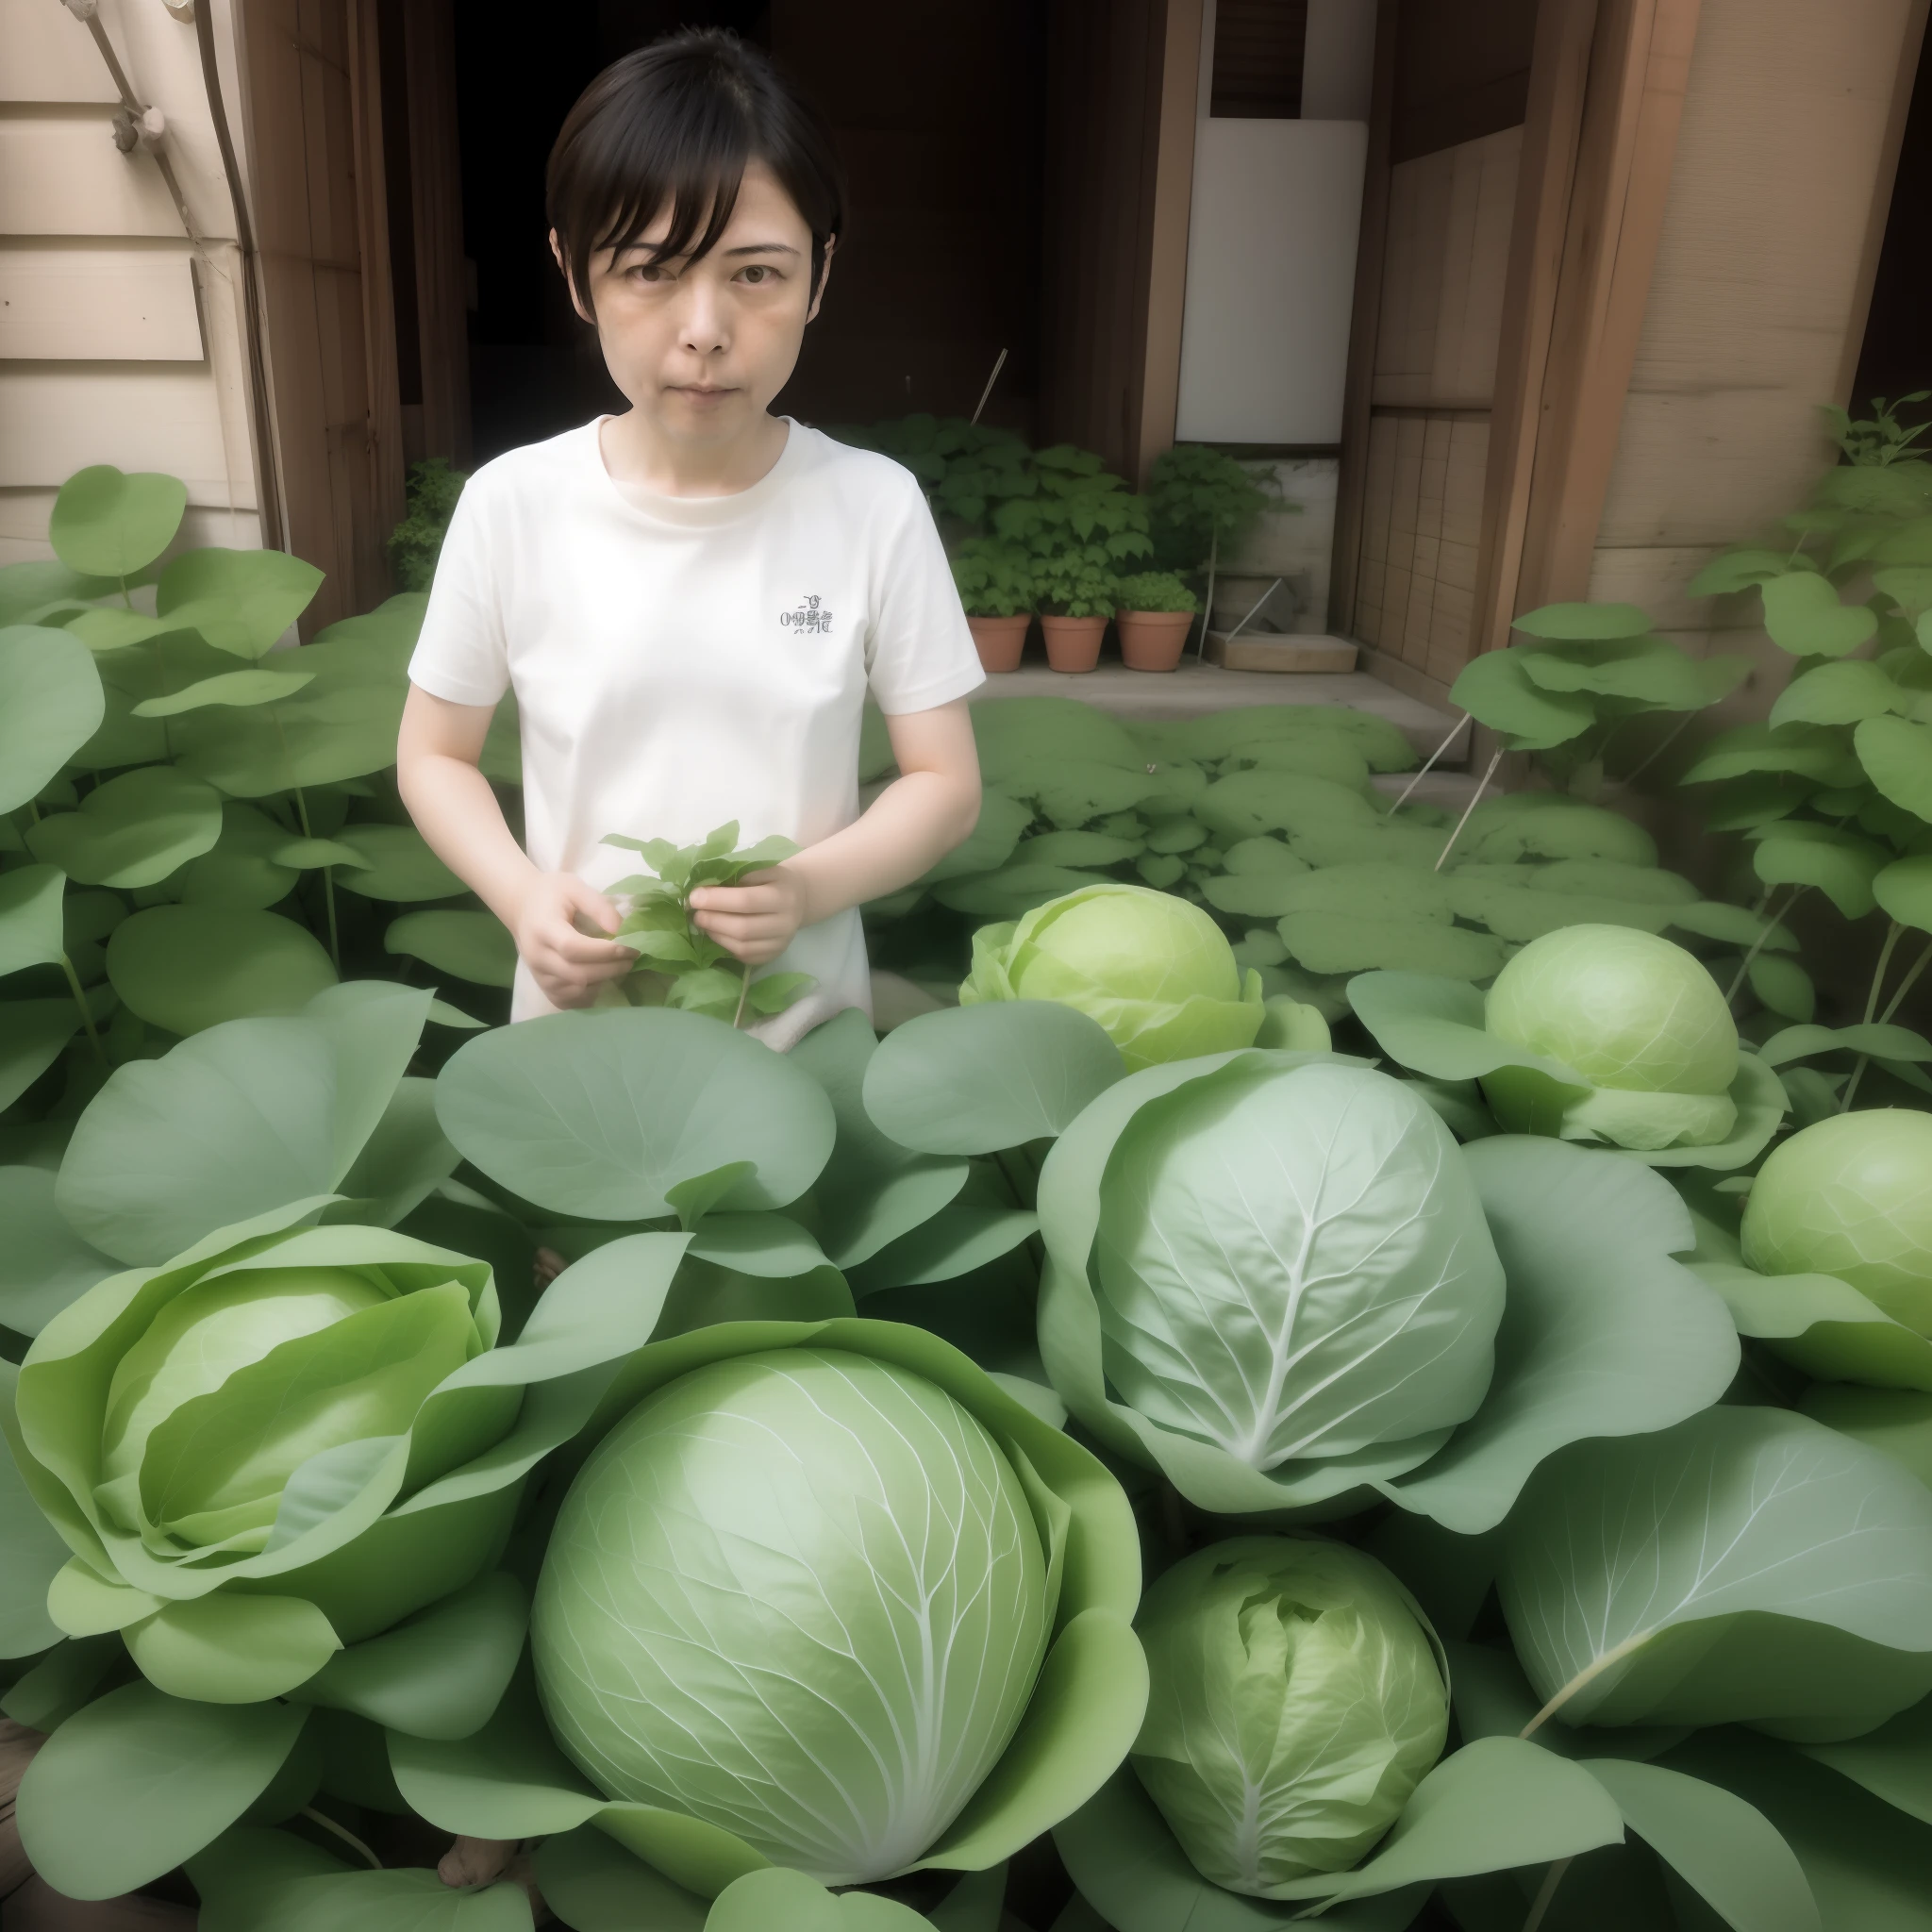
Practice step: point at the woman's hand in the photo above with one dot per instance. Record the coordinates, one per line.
(756, 921)
(567, 963)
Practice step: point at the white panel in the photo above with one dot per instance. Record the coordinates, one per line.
(113, 305)
(63, 175)
(1339, 60)
(46, 55)
(1271, 280)
(54, 422)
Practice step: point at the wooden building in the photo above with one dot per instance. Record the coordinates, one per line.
(1609, 257)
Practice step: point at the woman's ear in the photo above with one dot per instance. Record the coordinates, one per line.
(818, 294)
(569, 282)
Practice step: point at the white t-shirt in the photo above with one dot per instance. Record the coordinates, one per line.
(682, 661)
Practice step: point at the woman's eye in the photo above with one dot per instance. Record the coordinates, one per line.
(757, 273)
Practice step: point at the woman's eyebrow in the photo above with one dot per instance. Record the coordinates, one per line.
(763, 248)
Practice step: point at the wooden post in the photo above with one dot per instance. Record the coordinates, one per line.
(385, 442)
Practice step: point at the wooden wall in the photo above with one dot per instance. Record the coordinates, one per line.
(1757, 307)
(1444, 260)
(120, 332)
(1124, 80)
(314, 118)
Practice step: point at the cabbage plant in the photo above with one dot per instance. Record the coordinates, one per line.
(1156, 973)
(1600, 1034)
(824, 1596)
(1851, 1196)
(1295, 1699)
(1276, 1278)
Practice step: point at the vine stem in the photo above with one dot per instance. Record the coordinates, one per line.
(343, 1832)
(1759, 944)
(1552, 1878)
(1878, 972)
(87, 1019)
(1615, 1655)
(328, 879)
(743, 994)
(1907, 984)
(1428, 764)
(1442, 857)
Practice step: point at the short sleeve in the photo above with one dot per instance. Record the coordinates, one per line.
(920, 652)
(460, 653)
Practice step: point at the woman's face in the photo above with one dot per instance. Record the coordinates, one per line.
(702, 347)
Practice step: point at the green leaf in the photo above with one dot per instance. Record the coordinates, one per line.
(1603, 1333)
(440, 1675)
(228, 1649)
(53, 704)
(595, 1885)
(1904, 891)
(237, 1121)
(1804, 616)
(109, 524)
(1880, 1041)
(35, 1551)
(1737, 570)
(1842, 693)
(30, 586)
(238, 873)
(1843, 866)
(1013, 890)
(1897, 756)
(1496, 689)
(138, 1781)
(1550, 825)
(983, 1078)
(240, 601)
(1247, 804)
(188, 967)
(1733, 925)
(1582, 621)
(1823, 1326)
(600, 1113)
(1002, 821)
(134, 831)
(1723, 1847)
(471, 945)
(777, 1896)
(874, 1189)
(1894, 1762)
(1784, 985)
(396, 863)
(308, 855)
(1748, 1564)
(33, 1034)
(238, 688)
(30, 921)
(958, 1241)
(1805, 751)
(1644, 672)
(44, 1263)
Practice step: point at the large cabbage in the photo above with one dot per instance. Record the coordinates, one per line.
(1852, 1196)
(1296, 1700)
(801, 1596)
(1156, 973)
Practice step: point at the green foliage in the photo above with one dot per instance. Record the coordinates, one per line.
(1201, 501)
(966, 470)
(994, 578)
(416, 542)
(1880, 438)
(685, 967)
(1154, 589)
(1077, 528)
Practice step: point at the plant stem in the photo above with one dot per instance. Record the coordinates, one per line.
(743, 994)
(329, 883)
(1552, 1878)
(1207, 601)
(1878, 972)
(1658, 750)
(343, 1832)
(1759, 944)
(1907, 984)
(1427, 764)
(1482, 787)
(87, 1019)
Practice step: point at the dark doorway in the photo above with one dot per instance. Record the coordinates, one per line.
(1896, 358)
(937, 110)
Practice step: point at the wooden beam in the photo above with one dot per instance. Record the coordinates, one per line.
(385, 441)
(1352, 481)
(1166, 267)
(1559, 79)
(1640, 68)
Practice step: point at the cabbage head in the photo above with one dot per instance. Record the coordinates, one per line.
(1296, 1700)
(1636, 1015)
(1156, 973)
(842, 1602)
(268, 1448)
(1269, 1275)
(1852, 1196)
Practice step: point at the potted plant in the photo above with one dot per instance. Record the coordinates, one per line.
(996, 582)
(1155, 610)
(1078, 527)
(1204, 505)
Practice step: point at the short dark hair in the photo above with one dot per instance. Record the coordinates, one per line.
(677, 123)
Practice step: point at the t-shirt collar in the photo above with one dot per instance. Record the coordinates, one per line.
(692, 512)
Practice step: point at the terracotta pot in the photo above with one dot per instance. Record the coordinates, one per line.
(1072, 644)
(1000, 640)
(1153, 640)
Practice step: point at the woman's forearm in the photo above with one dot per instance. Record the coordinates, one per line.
(909, 829)
(463, 825)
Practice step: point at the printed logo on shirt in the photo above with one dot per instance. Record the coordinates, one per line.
(811, 615)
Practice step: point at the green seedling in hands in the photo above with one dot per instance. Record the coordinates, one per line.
(670, 947)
